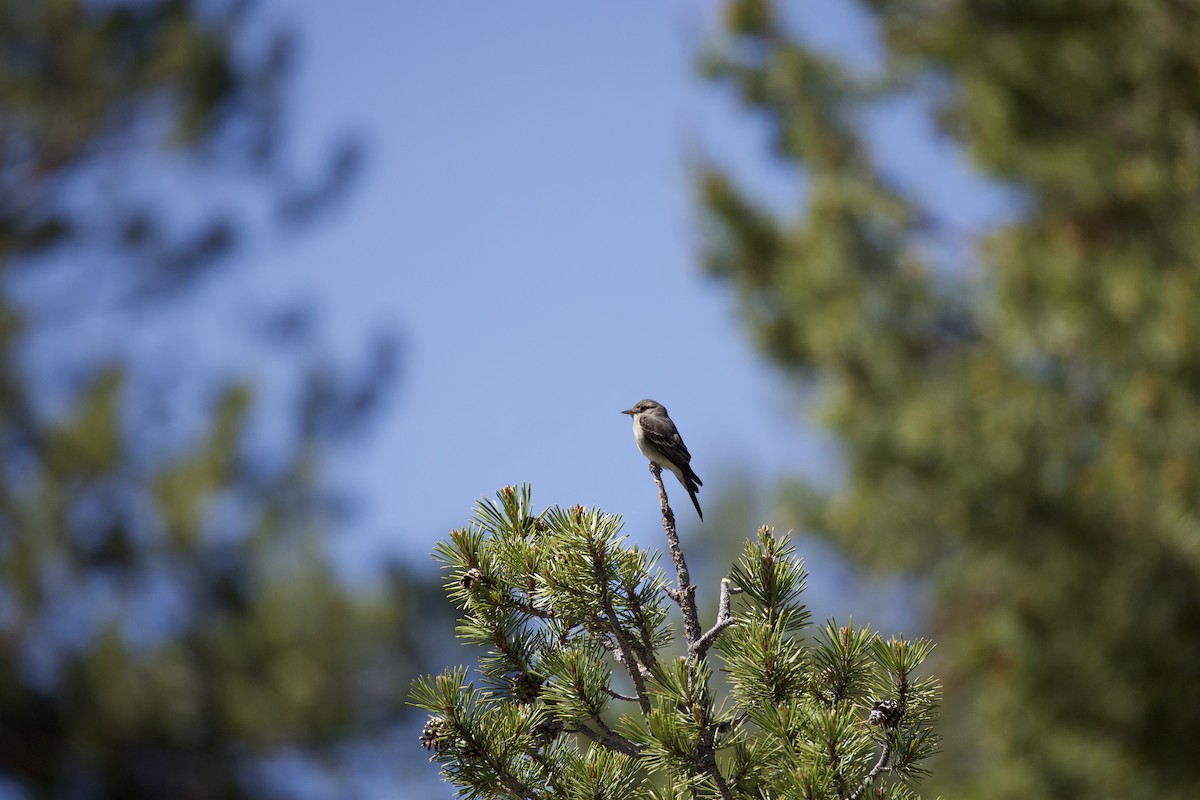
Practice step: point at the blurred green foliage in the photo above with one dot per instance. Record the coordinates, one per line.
(1022, 430)
(169, 617)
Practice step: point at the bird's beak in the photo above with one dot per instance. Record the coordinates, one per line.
(630, 412)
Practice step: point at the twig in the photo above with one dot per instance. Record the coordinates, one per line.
(685, 594)
(714, 772)
(619, 696)
(725, 618)
(621, 650)
(615, 741)
(880, 767)
(525, 607)
(615, 651)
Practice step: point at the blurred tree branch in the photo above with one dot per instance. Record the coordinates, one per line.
(1019, 432)
(169, 619)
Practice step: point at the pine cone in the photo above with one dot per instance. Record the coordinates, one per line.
(433, 736)
(472, 579)
(885, 713)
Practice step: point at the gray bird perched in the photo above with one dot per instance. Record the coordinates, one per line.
(660, 442)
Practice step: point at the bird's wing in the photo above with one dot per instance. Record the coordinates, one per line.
(661, 432)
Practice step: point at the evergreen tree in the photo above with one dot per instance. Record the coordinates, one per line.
(168, 615)
(561, 603)
(1021, 433)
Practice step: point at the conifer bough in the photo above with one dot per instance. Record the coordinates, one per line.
(584, 692)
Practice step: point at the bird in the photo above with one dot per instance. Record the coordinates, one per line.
(659, 441)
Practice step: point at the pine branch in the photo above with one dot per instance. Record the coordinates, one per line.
(618, 696)
(708, 756)
(606, 735)
(685, 594)
(556, 607)
(525, 607)
(621, 638)
(644, 626)
(609, 738)
(725, 618)
(506, 778)
(879, 768)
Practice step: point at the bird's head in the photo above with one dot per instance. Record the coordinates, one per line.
(646, 407)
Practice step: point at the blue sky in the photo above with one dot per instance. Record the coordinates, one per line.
(525, 225)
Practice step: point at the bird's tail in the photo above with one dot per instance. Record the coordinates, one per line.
(690, 483)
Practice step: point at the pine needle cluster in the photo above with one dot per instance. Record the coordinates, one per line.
(585, 692)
